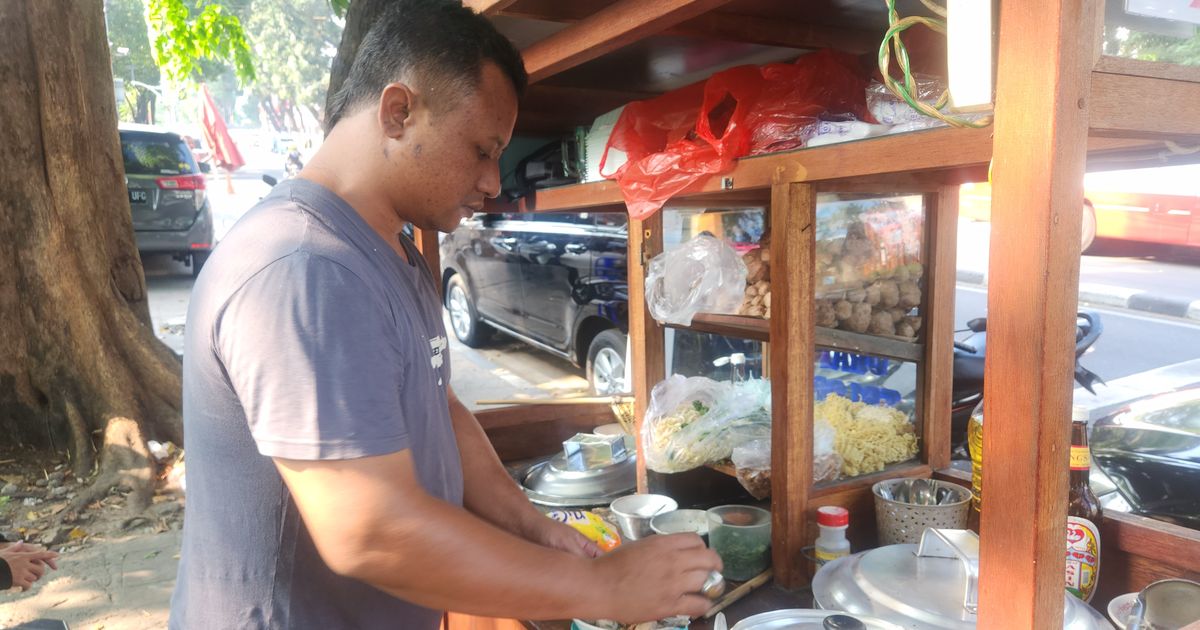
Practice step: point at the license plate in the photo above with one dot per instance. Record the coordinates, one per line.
(138, 196)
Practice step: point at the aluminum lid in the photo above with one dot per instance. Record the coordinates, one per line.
(915, 591)
(808, 619)
(553, 483)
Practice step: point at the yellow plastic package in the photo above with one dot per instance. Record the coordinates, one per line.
(590, 525)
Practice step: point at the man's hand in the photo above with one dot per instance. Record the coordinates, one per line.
(658, 577)
(556, 535)
(28, 563)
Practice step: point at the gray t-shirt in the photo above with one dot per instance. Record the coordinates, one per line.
(307, 338)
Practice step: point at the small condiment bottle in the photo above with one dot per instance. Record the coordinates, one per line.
(832, 522)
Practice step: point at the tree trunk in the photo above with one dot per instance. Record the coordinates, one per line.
(80, 366)
(268, 105)
(359, 18)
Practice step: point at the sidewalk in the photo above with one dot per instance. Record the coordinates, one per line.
(1162, 288)
(123, 583)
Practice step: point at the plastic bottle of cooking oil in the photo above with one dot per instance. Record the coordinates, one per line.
(975, 446)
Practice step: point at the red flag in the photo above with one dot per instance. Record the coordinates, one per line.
(224, 151)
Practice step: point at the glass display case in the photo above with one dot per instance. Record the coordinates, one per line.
(869, 264)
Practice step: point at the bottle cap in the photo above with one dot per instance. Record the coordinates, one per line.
(1079, 413)
(833, 516)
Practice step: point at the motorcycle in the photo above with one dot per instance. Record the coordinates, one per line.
(967, 390)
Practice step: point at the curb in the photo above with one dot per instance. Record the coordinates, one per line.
(1114, 296)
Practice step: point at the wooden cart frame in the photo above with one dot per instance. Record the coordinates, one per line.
(1059, 103)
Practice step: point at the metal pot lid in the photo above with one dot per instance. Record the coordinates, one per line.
(551, 482)
(809, 619)
(922, 586)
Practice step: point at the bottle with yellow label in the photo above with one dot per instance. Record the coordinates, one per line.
(1083, 515)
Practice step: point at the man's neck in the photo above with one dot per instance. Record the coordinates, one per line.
(356, 188)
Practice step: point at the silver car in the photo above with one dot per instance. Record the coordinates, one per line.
(167, 195)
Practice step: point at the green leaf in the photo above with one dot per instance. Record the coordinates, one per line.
(339, 7)
(181, 37)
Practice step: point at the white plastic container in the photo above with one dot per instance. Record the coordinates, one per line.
(832, 522)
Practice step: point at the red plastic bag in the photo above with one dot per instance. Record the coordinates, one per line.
(798, 94)
(675, 141)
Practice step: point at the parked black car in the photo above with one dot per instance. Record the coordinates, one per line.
(1150, 450)
(555, 281)
(167, 200)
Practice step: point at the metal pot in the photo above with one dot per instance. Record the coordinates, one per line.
(808, 619)
(552, 483)
(926, 586)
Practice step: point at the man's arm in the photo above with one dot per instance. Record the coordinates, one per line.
(491, 494)
(371, 520)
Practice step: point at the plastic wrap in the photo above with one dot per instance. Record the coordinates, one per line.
(695, 421)
(752, 461)
(703, 275)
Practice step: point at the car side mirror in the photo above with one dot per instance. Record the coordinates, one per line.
(205, 167)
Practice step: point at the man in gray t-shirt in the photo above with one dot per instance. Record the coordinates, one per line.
(334, 480)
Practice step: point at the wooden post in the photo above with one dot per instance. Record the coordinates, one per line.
(793, 246)
(941, 216)
(1037, 195)
(646, 342)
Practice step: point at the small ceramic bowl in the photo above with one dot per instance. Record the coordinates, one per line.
(1120, 607)
(680, 522)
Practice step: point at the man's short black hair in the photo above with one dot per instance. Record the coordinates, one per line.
(439, 45)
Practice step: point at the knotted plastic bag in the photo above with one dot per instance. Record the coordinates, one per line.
(695, 421)
(674, 142)
(703, 275)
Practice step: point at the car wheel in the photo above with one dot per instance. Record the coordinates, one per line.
(464, 319)
(606, 364)
(198, 260)
(1089, 226)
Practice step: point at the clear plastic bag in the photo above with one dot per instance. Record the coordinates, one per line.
(703, 275)
(752, 461)
(695, 421)
(889, 109)
(827, 464)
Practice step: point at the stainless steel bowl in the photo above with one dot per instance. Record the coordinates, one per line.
(634, 512)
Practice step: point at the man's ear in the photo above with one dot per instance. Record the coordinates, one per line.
(396, 106)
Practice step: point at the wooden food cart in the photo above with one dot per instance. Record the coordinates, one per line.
(1060, 105)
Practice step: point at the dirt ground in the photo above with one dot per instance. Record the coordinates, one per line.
(113, 572)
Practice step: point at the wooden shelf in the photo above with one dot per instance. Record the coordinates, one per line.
(724, 467)
(943, 148)
(759, 329)
(730, 326)
(834, 339)
(903, 469)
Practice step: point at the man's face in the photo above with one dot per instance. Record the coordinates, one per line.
(452, 158)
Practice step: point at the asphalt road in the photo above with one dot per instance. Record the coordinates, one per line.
(1131, 342)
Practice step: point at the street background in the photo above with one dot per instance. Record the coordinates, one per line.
(1151, 341)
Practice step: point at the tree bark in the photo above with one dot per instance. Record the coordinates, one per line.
(80, 366)
(359, 18)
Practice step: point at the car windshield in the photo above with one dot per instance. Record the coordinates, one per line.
(156, 155)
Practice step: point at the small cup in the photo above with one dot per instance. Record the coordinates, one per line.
(741, 535)
(681, 522)
(633, 513)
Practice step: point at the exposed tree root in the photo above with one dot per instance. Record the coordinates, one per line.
(125, 463)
